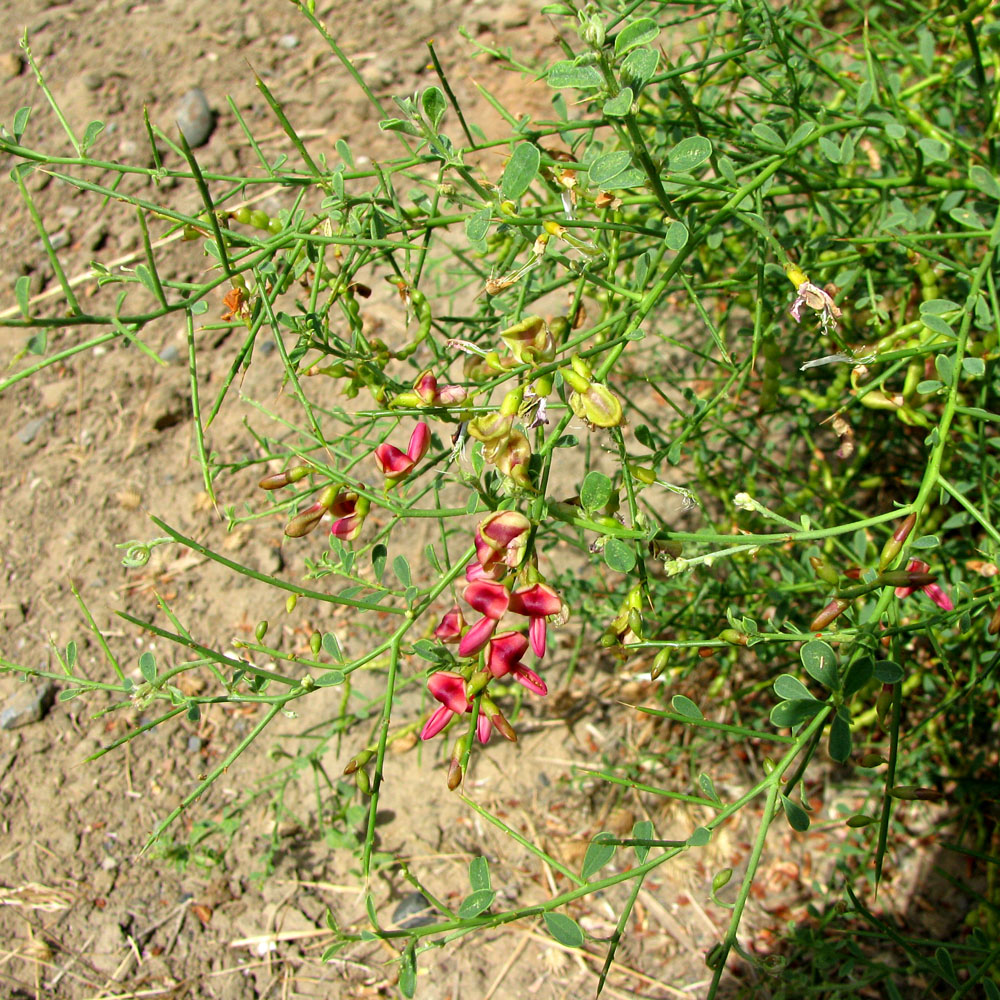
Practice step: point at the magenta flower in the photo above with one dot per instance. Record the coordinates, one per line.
(397, 465)
(538, 601)
(502, 537)
(490, 600)
(449, 689)
(349, 511)
(932, 590)
(450, 629)
(504, 658)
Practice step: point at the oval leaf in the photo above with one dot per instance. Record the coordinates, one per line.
(606, 168)
(840, 740)
(820, 662)
(619, 555)
(434, 105)
(476, 902)
(690, 153)
(521, 170)
(599, 853)
(639, 32)
(619, 105)
(798, 818)
(479, 874)
(477, 225)
(564, 929)
(568, 74)
(788, 714)
(642, 831)
(790, 688)
(639, 67)
(147, 667)
(686, 707)
(596, 491)
(858, 675)
(676, 236)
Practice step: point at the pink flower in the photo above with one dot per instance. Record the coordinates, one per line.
(490, 600)
(932, 590)
(538, 602)
(504, 658)
(502, 537)
(449, 689)
(397, 465)
(450, 629)
(349, 511)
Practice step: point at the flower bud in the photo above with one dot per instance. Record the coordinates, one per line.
(659, 663)
(872, 760)
(359, 760)
(279, 479)
(363, 782)
(598, 405)
(894, 546)
(912, 793)
(290, 603)
(305, 521)
(315, 643)
(733, 637)
(883, 706)
(824, 570)
(830, 613)
(261, 630)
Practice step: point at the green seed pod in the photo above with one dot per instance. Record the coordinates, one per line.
(860, 820)
(733, 637)
(261, 630)
(363, 782)
(315, 643)
(721, 879)
(242, 216)
(660, 663)
(872, 760)
(824, 570)
(259, 219)
(894, 546)
(883, 706)
(358, 760)
(768, 764)
(274, 227)
(290, 603)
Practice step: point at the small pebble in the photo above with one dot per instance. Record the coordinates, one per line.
(194, 117)
(27, 705)
(11, 65)
(267, 348)
(28, 433)
(59, 240)
(289, 42)
(93, 80)
(413, 910)
(170, 353)
(194, 744)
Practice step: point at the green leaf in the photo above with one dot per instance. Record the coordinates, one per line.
(569, 74)
(619, 555)
(859, 673)
(147, 667)
(521, 170)
(620, 105)
(479, 874)
(564, 929)
(638, 32)
(820, 662)
(599, 853)
(434, 104)
(676, 236)
(689, 153)
(686, 707)
(802, 133)
(985, 181)
(864, 97)
(639, 67)
(145, 276)
(937, 324)
(798, 818)
(888, 672)
(22, 290)
(402, 570)
(974, 367)
(767, 136)
(935, 150)
(194, 712)
(642, 830)
(790, 688)
(966, 218)
(71, 654)
(945, 368)
(840, 739)
(408, 971)
(829, 149)
(21, 117)
(607, 169)
(477, 225)
(92, 131)
(788, 714)
(398, 125)
(708, 788)
(476, 902)
(937, 307)
(332, 647)
(332, 678)
(596, 491)
(379, 555)
(700, 837)
(70, 693)
(926, 542)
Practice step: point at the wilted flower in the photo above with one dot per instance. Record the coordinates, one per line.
(530, 341)
(932, 590)
(349, 511)
(427, 392)
(812, 296)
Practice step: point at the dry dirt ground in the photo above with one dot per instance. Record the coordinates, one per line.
(89, 448)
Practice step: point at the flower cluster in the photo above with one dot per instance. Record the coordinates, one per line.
(495, 589)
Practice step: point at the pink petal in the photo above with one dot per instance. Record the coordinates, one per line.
(449, 689)
(477, 636)
(391, 461)
(420, 441)
(451, 626)
(483, 728)
(505, 652)
(436, 723)
(488, 598)
(536, 631)
(530, 680)
(939, 597)
(536, 600)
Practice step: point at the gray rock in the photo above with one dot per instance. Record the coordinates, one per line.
(194, 744)
(93, 80)
(194, 117)
(289, 42)
(27, 705)
(170, 353)
(31, 429)
(413, 910)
